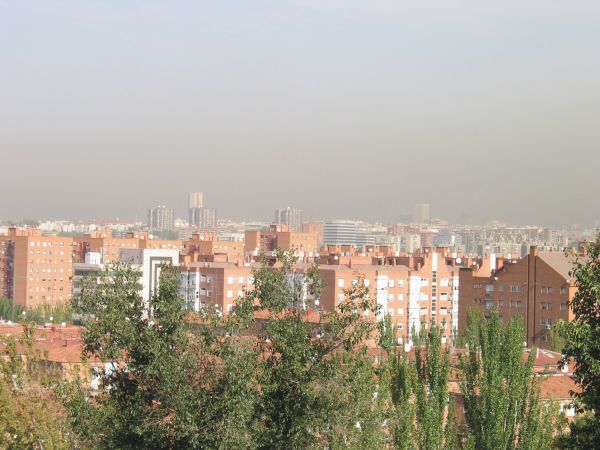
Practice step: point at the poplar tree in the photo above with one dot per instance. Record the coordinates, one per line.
(419, 386)
(501, 391)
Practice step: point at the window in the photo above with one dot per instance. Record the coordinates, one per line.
(340, 298)
(401, 283)
(400, 311)
(391, 283)
(400, 296)
(563, 306)
(424, 282)
(516, 288)
(391, 297)
(229, 308)
(391, 311)
(229, 280)
(489, 304)
(489, 288)
(340, 282)
(546, 305)
(516, 303)
(563, 290)
(241, 280)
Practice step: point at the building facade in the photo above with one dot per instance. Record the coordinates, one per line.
(340, 232)
(161, 218)
(291, 217)
(203, 218)
(35, 269)
(195, 200)
(421, 213)
(536, 287)
(213, 285)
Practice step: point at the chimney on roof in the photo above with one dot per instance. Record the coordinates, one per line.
(533, 250)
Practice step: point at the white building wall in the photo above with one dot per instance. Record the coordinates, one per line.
(414, 309)
(381, 283)
(454, 298)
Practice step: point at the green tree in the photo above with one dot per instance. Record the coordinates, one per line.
(582, 344)
(501, 391)
(431, 390)
(303, 355)
(148, 399)
(180, 380)
(419, 388)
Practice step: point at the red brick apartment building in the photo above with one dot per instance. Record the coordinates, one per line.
(213, 284)
(280, 237)
(537, 287)
(109, 247)
(412, 290)
(35, 269)
(204, 247)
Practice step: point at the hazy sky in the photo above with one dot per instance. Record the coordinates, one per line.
(347, 109)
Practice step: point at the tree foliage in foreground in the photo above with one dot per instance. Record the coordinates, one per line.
(582, 346)
(31, 414)
(501, 391)
(423, 411)
(212, 382)
(297, 380)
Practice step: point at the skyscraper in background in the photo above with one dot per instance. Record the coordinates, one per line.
(421, 213)
(291, 217)
(160, 218)
(203, 218)
(196, 200)
(198, 215)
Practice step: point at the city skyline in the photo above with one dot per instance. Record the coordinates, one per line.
(485, 111)
(406, 216)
